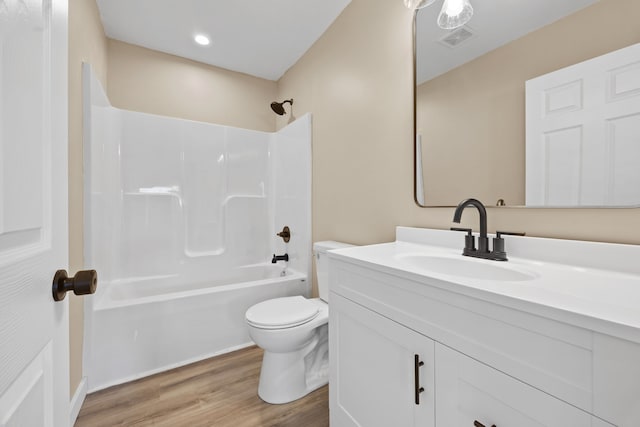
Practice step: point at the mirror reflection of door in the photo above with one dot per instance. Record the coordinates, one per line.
(583, 133)
(34, 330)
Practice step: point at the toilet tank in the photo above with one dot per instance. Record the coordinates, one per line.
(322, 268)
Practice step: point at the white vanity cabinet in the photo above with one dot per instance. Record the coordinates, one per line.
(486, 362)
(383, 371)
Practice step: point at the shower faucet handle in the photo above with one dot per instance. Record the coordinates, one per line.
(285, 234)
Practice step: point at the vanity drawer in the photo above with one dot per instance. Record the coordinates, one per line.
(470, 392)
(551, 356)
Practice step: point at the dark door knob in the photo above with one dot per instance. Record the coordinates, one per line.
(83, 283)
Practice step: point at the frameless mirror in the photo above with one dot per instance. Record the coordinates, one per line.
(470, 99)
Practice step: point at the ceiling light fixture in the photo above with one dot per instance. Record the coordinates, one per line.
(454, 13)
(201, 39)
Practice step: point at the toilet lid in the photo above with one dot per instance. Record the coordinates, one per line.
(282, 312)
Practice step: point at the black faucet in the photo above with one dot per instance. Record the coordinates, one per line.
(277, 258)
(483, 240)
(498, 253)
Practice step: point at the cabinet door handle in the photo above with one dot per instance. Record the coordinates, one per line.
(479, 424)
(416, 379)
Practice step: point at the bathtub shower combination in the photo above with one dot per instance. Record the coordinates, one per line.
(180, 223)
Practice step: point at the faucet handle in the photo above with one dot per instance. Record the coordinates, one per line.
(469, 240)
(466, 230)
(498, 252)
(508, 233)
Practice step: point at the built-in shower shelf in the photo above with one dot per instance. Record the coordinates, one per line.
(198, 254)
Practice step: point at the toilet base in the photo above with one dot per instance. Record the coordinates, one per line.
(285, 377)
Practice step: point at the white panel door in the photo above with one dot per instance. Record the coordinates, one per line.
(374, 362)
(34, 365)
(583, 133)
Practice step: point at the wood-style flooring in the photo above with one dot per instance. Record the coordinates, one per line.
(221, 392)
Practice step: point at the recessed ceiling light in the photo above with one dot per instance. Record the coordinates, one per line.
(201, 39)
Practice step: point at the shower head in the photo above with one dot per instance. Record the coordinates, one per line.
(278, 107)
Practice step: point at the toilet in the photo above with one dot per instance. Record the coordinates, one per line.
(293, 332)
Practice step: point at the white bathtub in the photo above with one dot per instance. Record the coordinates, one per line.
(141, 327)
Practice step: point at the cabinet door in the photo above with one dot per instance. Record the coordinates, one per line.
(373, 370)
(469, 391)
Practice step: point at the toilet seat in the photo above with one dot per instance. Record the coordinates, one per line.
(279, 313)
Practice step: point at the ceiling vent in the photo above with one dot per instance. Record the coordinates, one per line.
(457, 37)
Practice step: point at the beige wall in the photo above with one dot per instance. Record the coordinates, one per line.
(475, 114)
(87, 43)
(145, 80)
(356, 80)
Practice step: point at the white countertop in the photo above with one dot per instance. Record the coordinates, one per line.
(591, 285)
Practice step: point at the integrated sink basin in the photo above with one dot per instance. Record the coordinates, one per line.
(466, 267)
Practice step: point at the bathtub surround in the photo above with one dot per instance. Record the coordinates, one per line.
(181, 220)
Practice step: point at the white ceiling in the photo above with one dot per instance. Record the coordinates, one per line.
(263, 38)
(494, 23)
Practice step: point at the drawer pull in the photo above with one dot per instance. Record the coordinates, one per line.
(479, 424)
(416, 381)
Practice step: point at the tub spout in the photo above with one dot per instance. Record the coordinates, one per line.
(277, 258)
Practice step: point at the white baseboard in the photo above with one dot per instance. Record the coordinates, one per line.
(77, 400)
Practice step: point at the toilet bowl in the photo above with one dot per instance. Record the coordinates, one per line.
(293, 332)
